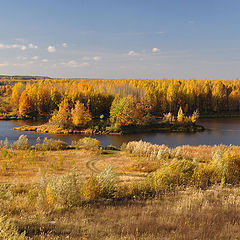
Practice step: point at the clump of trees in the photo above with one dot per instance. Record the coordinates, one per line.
(77, 116)
(123, 101)
(127, 111)
(181, 117)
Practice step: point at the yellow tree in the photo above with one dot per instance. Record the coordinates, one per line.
(62, 117)
(195, 116)
(80, 116)
(16, 93)
(25, 105)
(180, 116)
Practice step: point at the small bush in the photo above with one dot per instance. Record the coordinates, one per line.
(8, 230)
(64, 191)
(87, 143)
(51, 144)
(203, 175)
(92, 189)
(226, 166)
(108, 180)
(173, 174)
(147, 150)
(102, 186)
(22, 143)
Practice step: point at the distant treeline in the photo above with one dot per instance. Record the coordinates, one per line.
(155, 96)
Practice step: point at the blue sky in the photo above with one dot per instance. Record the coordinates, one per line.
(121, 38)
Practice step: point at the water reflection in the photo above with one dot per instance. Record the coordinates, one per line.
(219, 131)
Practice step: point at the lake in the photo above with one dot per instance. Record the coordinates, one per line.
(218, 131)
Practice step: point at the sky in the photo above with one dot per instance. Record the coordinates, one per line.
(147, 39)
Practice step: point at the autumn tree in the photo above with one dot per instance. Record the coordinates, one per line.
(195, 116)
(180, 116)
(25, 104)
(16, 93)
(62, 116)
(126, 111)
(80, 115)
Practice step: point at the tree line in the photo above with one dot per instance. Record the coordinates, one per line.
(126, 100)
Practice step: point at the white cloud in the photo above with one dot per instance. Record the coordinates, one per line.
(19, 64)
(72, 63)
(51, 49)
(45, 60)
(84, 64)
(75, 64)
(30, 45)
(20, 40)
(132, 53)
(85, 58)
(159, 32)
(4, 64)
(35, 58)
(21, 58)
(12, 46)
(155, 50)
(23, 64)
(96, 58)
(65, 45)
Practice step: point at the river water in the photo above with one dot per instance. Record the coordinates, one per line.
(218, 131)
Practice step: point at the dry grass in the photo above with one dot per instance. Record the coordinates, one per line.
(190, 214)
(162, 206)
(24, 166)
(149, 157)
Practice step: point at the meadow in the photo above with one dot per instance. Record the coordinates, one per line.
(141, 191)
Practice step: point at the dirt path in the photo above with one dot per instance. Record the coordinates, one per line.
(91, 165)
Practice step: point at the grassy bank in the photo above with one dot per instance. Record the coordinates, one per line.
(55, 191)
(161, 127)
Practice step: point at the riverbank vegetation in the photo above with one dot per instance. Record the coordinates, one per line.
(55, 191)
(103, 106)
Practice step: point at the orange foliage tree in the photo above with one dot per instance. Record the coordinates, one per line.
(25, 104)
(80, 115)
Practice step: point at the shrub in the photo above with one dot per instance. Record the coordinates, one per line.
(147, 150)
(87, 143)
(102, 186)
(203, 175)
(22, 143)
(92, 189)
(64, 191)
(52, 144)
(175, 173)
(168, 117)
(108, 180)
(8, 230)
(226, 166)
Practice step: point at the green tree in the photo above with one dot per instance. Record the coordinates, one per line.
(126, 111)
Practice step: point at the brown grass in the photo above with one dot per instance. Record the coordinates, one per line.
(22, 166)
(182, 213)
(190, 214)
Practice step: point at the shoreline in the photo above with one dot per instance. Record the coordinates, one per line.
(161, 127)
